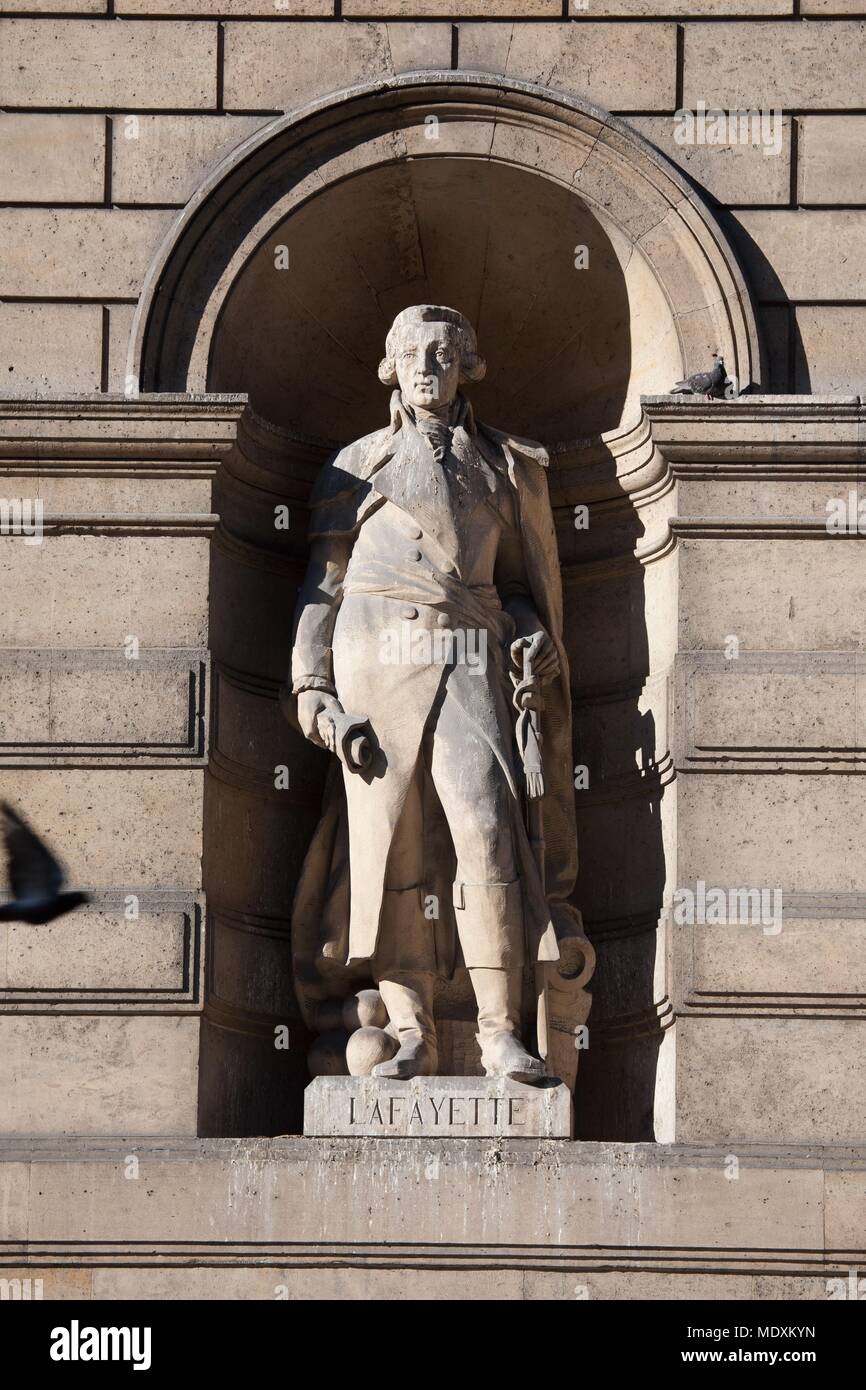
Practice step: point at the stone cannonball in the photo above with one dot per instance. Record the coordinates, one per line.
(366, 1048)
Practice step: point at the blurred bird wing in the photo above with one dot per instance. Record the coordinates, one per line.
(33, 870)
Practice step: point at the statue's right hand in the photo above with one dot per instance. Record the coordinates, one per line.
(312, 704)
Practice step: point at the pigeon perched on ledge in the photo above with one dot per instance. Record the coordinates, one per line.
(708, 384)
(35, 877)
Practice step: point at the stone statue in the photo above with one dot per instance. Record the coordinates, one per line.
(431, 605)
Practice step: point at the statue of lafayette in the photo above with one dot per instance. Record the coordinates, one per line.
(436, 527)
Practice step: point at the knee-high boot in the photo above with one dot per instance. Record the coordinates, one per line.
(499, 996)
(408, 997)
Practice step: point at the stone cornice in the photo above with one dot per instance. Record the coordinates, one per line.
(777, 437)
(758, 528)
(288, 1151)
(160, 434)
(620, 467)
(625, 561)
(269, 456)
(127, 524)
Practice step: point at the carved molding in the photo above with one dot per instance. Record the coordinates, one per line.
(804, 906)
(760, 436)
(621, 469)
(110, 750)
(622, 1030)
(601, 930)
(244, 552)
(626, 561)
(692, 755)
(161, 435)
(128, 524)
(465, 1257)
(757, 528)
(716, 1004)
(259, 780)
(270, 457)
(253, 923)
(130, 995)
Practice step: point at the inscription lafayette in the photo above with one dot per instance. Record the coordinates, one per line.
(436, 1107)
(471, 1111)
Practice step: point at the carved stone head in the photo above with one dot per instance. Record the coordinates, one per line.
(429, 351)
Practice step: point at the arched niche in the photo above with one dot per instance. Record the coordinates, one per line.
(465, 190)
(495, 241)
(453, 187)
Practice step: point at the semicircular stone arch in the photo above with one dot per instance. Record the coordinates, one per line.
(593, 270)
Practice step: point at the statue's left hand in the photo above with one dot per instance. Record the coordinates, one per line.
(542, 654)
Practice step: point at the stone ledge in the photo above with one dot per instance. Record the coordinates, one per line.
(295, 1148)
(176, 435)
(359, 1218)
(759, 436)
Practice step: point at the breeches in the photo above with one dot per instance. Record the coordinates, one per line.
(479, 807)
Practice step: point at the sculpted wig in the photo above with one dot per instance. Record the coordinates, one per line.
(472, 367)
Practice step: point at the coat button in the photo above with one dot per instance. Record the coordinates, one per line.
(414, 533)
(443, 620)
(413, 555)
(410, 612)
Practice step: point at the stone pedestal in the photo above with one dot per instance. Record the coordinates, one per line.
(436, 1107)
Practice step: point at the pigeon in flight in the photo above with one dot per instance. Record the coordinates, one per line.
(708, 384)
(35, 877)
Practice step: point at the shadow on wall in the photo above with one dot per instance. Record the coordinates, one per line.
(788, 370)
(620, 737)
(305, 342)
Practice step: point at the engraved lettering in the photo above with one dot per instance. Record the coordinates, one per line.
(512, 1102)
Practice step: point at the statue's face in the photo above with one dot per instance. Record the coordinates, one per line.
(428, 365)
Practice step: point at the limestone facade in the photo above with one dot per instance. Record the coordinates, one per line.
(209, 212)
